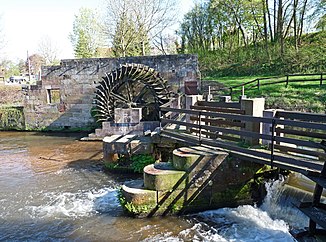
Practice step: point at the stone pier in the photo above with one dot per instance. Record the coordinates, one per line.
(197, 179)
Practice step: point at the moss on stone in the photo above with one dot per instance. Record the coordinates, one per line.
(12, 118)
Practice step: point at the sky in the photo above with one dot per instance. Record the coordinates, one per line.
(26, 22)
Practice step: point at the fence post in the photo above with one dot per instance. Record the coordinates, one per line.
(321, 79)
(287, 80)
(199, 118)
(258, 84)
(272, 142)
(231, 91)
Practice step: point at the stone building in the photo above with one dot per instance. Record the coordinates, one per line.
(63, 99)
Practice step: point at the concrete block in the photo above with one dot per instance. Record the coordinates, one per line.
(127, 115)
(253, 107)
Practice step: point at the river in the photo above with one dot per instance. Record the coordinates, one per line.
(53, 188)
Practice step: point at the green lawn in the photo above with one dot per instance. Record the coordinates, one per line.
(300, 96)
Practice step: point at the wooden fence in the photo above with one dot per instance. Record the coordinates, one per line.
(295, 140)
(291, 78)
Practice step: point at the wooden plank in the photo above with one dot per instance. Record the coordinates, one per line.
(302, 163)
(301, 133)
(112, 138)
(297, 142)
(307, 74)
(319, 180)
(303, 167)
(219, 104)
(300, 124)
(244, 84)
(242, 133)
(218, 109)
(216, 135)
(300, 151)
(219, 122)
(321, 118)
(268, 162)
(271, 83)
(316, 214)
(247, 118)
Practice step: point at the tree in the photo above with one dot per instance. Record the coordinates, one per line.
(35, 61)
(136, 22)
(87, 33)
(48, 50)
(2, 36)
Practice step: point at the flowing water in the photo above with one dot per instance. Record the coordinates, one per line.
(53, 188)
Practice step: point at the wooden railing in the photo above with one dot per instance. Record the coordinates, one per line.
(291, 78)
(294, 141)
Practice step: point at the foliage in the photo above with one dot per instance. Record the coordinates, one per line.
(140, 161)
(129, 40)
(253, 60)
(87, 34)
(255, 37)
(132, 209)
(11, 118)
(135, 163)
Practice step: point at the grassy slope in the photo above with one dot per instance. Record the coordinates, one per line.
(300, 96)
(246, 64)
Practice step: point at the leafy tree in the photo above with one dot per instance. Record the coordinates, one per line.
(87, 33)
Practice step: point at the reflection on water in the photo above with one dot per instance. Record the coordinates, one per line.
(53, 188)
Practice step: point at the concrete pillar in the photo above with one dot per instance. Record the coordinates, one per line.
(253, 107)
(127, 115)
(191, 100)
(225, 99)
(268, 113)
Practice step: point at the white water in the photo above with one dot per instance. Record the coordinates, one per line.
(78, 204)
(270, 222)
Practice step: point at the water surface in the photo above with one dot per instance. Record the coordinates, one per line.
(53, 188)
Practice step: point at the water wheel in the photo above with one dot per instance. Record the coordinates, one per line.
(131, 86)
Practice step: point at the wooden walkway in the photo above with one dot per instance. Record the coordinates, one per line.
(291, 141)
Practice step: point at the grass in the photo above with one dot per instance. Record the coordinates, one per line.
(297, 96)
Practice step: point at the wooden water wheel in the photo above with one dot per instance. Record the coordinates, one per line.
(131, 86)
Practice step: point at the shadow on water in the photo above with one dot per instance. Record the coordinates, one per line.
(76, 135)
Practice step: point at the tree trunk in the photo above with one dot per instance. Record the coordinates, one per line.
(269, 21)
(265, 30)
(301, 21)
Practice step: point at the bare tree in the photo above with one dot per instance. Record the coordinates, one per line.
(48, 50)
(138, 20)
(2, 36)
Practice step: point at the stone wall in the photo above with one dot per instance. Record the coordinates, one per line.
(63, 99)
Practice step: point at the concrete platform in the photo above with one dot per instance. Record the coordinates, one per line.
(163, 176)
